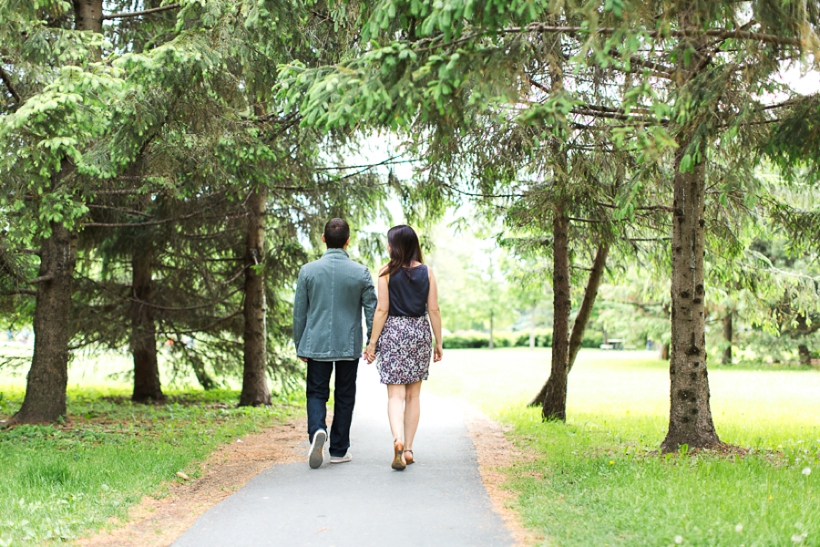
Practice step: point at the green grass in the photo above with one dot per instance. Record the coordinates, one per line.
(64, 480)
(100, 369)
(597, 480)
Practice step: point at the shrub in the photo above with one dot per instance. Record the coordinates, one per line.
(543, 339)
(592, 339)
(464, 340)
(501, 339)
(506, 339)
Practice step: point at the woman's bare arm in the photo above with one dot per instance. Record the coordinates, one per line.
(435, 315)
(379, 318)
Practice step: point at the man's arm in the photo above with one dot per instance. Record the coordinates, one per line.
(369, 301)
(300, 309)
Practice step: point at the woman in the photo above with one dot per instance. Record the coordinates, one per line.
(401, 336)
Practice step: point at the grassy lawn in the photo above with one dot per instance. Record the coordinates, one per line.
(596, 480)
(61, 481)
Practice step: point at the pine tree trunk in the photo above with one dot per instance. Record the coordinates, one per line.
(804, 353)
(254, 380)
(198, 365)
(803, 349)
(555, 390)
(45, 399)
(690, 416)
(576, 339)
(727, 335)
(492, 344)
(532, 326)
(202, 375)
(88, 15)
(665, 352)
(143, 329)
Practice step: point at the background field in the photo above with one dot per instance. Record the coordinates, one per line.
(597, 480)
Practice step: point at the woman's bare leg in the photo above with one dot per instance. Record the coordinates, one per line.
(395, 409)
(411, 413)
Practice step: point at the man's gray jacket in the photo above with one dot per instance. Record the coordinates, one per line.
(327, 312)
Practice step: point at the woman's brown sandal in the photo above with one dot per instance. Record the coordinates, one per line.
(398, 456)
(408, 457)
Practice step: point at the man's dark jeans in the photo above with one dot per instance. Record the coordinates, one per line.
(318, 392)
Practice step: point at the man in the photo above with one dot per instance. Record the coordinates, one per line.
(327, 329)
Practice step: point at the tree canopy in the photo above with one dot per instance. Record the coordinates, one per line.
(167, 166)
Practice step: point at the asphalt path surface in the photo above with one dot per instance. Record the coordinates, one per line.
(438, 501)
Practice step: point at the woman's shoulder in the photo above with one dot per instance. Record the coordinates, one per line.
(422, 271)
(383, 269)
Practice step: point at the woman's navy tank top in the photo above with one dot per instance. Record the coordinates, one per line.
(408, 291)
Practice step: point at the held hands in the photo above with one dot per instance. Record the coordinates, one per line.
(370, 353)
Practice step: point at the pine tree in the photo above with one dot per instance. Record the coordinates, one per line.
(59, 98)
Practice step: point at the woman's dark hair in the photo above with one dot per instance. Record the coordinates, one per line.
(404, 249)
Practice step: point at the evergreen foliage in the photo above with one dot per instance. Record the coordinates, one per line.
(144, 150)
(169, 164)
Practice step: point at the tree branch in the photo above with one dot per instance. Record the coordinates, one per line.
(19, 291)
(588, 220)
(206, 327)
(476, 195)
(539, 85)
(47, 277)
(645, 208)
(185, 308)
(597, 112)
(120, 209)
(153, 222)
(7, 80)
(659, 69)
(124, 15)
(684, 33)
(389, 161)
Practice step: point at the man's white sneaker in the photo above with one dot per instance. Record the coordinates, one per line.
(316, 456)
(342, 459)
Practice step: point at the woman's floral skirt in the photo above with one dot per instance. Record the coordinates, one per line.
(404, 350)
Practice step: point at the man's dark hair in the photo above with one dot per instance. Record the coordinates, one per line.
(337, 231)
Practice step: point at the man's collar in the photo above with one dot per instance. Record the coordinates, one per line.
(336, 252)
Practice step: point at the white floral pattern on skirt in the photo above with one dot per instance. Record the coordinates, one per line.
(404, 350)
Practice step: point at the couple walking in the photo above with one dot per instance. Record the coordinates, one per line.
(327, 329)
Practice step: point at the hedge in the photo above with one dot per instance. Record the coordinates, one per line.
(505, 339)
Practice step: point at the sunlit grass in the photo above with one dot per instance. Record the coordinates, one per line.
(60, 481)
(597, 480)
(101, 369)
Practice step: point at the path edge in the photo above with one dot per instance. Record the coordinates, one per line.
(160, 522)
(496, 454)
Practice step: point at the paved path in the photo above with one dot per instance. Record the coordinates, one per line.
(438, 501)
